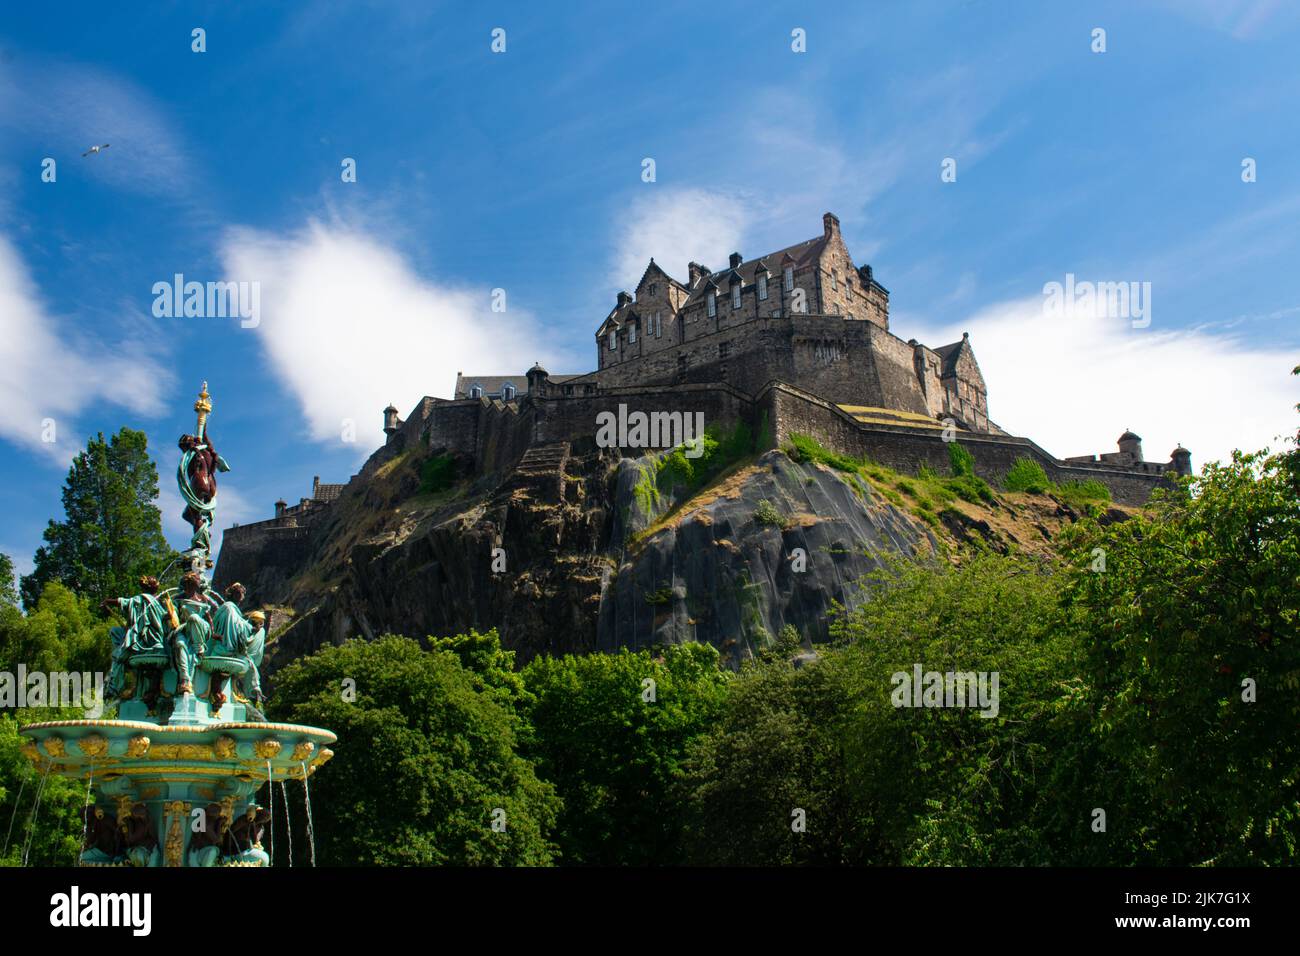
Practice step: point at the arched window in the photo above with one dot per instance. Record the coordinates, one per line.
(508, 392)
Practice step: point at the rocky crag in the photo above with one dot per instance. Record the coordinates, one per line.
(575, 551)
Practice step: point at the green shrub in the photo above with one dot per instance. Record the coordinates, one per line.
(807, 448)
(962, 461)
(438, 473)
(766, 513)
(970, 488)
(1079, 493)
(1027, 475)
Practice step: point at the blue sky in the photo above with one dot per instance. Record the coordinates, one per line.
(522, 171)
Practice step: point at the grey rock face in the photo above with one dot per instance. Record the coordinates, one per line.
(592, 565)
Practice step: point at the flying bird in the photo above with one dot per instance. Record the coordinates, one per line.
(95, 149)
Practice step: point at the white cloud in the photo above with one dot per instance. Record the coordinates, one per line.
(348, 326)
(50, 371)
(677, 226)
(1074, 384)
(68, 107)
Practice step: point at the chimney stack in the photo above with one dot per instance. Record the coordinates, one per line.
(830, 225)
(736, 259)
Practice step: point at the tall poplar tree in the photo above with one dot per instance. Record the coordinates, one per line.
(112, 530)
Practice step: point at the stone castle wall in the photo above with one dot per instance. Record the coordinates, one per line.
(846, 362)
(792, 410)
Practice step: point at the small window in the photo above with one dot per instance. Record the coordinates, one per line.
(762, 285)
(850, 316)
(712, 300)
(476, 391)
(724, 350)
(613, 340)
(508, 392)
(659, 324)
(631, 334)
(834, 283)
(848, 288)
(789, 278)
(735, 295)
(654, 288)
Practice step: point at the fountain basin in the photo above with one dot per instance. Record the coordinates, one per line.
(173, 779)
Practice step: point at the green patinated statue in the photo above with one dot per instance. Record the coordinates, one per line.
(240, 636)
(144, 631)
(191, 629)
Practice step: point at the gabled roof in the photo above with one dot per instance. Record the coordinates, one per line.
(658, 270)
(950, 354)
(798, 255)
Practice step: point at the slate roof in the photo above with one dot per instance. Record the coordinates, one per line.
(802, 253)
(492, 384)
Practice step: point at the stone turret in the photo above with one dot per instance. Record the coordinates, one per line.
(1181, 459)
(1131, 445)
(537, 381)
(390, 421)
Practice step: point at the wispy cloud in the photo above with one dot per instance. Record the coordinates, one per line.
(68, 107)
(348, 325)
(51, 373)
(1073, 384)
(675, 227)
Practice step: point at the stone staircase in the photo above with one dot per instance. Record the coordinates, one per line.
(542, 468)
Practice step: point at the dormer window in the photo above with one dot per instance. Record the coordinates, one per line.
(762, 285)
(476, 391)
(788, 278)
(508, 392)
(735, 295)
(711, 301)
(613, 340)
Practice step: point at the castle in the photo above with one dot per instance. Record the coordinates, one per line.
(794, 341)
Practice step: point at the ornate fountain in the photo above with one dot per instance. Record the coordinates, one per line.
(172, 780)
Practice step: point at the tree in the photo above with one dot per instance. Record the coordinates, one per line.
(8, 591)
(52, 835)
(60, 633)
(1194, 662)
(112, 531)
(611, 732)
(948, 785)
(766, 783)
(426, 771)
